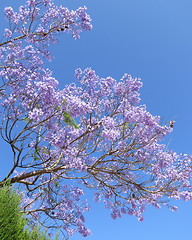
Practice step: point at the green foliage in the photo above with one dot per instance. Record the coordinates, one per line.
(36, 234)
(26, 119)
(13, 224)
(69, 120)
(67, 117)
(11, 221)
(36, 154)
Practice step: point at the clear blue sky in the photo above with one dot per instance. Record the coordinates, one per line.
(150, 39)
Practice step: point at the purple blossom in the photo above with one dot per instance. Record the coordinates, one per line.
(35, 114)
(8, 33)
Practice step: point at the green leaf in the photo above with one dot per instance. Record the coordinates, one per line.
(56, 184)
(69, 120)
(36, 154)
(26, 119)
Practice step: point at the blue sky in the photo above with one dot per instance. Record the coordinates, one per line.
(147, 39)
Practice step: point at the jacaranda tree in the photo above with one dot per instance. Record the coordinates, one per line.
(92, 134)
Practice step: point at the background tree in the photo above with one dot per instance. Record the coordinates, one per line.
(13, 223)
(91, 134)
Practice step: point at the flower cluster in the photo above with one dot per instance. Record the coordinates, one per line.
(39, 22)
